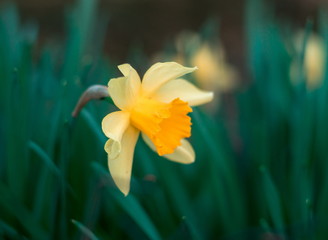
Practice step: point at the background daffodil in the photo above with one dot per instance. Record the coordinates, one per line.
(157, 107)
(215, 72)
(314, 59)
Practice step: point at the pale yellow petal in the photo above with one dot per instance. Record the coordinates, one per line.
(184, 90)
(183, 154)
(160, 73)
(114, 126)
(125, 90)
(134, 80)
(120, 167)
(116, 90)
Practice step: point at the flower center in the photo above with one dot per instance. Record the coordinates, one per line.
(164, 123)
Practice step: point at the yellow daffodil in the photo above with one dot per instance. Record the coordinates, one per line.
(314, 60)
(215, 72)
(315, 56)
(156, 107)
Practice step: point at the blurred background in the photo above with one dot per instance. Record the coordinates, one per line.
(150, 25)
(261, 145)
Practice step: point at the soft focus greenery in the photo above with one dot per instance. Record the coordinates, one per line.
(263, 176)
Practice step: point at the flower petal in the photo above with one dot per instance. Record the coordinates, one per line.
(182, 154)
(134, 79)
(124, 90)
(184, 90)
(160, 73)
(114, 126)
(126, 69)
(120, 167)
(116, 90)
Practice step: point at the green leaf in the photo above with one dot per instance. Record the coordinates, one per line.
(86, 231)
(273, 200)
(13, 205)
(132, 207)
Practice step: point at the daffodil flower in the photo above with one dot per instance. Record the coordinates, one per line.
(314, 60)
(157, 107)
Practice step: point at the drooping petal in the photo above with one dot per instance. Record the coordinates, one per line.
(182, 154)
(114, 126)
(184, 90)
(120, 167)
(160, 73)
(125, 90)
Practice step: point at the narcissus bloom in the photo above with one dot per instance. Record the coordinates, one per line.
(314, 60)
(215, 73)
(157, 107)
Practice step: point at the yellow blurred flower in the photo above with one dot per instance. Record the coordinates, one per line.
(157, 107)
(314, 60)
(214, 72)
